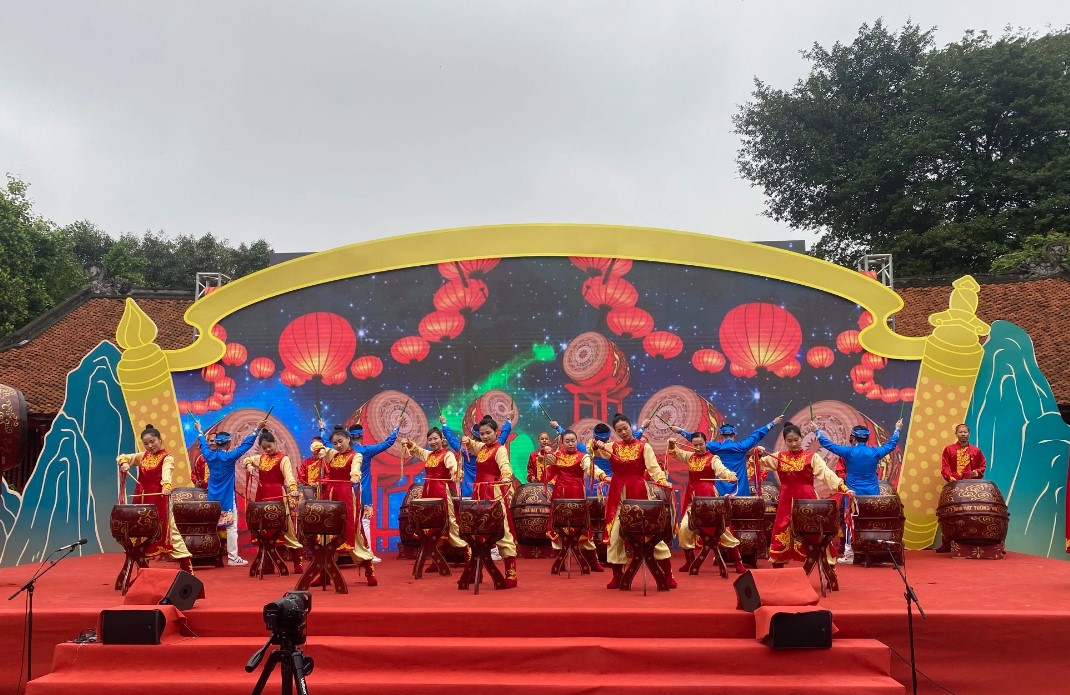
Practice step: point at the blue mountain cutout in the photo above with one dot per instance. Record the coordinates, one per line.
(71, 491)
(1017, 425)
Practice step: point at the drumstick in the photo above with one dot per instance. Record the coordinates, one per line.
(316, 407)
(811, 412)
(545, 414)
(902, 407)
(658, 416)
(785, 410)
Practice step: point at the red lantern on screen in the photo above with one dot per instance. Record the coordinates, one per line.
(320, 343)
(261, 368)
(219, 332)
(476, 268)
(411, 348)
(183, 407)
(874, 393)
(606, 295)
(366, 367)
(213, 373)
(630, 322)
(741, 372)
(907, 394)
(594, 265)
(890, 395)
(760, 334)
(459, 297)
(213, 402)
(441, 325)
(861, 374)
(847, 342)
(198, 407)
(334, 379)
(820, 357)
(860, 387)
(225, 398)
(874, 362)
(291, 379)
(663, 345)
(235, 355)
(789, 370)
(864, 320)
(225, 385)
(708, 360)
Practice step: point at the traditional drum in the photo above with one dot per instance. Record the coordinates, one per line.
(428, 517)
(683, 407)
(189, 494)
(266, 522)
(571, 519)
(886, 487)
(481, 524)
(409, 539)
(597, 509)
(749, 526)
(877, 518)
(379, 416)
(322, 524)
(497, 404)
(197, 521)
(708, 517)
(642, 525)
(135, 527)
(13, 427)
(593, 360)
(323, 518)
(771, 497)
(531, 514)
(667, 496)
(814, 523)
(973, 516)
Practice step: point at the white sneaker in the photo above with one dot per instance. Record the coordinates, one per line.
(495, 555)
(237, 561)
(848, 556)
(376, 558)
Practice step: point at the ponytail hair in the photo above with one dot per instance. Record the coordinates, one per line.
(266, 436)
(149, 429)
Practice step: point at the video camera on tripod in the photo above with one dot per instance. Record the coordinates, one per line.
(286, 619)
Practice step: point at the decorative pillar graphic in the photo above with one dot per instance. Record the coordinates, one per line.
(147, 386)
(950, 362)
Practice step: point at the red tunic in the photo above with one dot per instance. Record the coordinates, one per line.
(487, 471)
(272, 485)
(435, 467)
(699, 467)
(629, 469)
(536, 469)
(198, 473)
(148, 491)
(338, 485)
(567, 476)
(961, 462)
(796, 482)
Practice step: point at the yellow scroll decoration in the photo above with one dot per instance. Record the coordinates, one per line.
(147, 387)
(949, 366)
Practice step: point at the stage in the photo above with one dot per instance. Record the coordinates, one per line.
(991, 625)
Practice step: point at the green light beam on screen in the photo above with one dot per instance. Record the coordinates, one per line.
(499, 378)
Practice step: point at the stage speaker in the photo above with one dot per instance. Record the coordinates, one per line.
(132, 626)
(160, 586)
(809, 630)
(788, 586)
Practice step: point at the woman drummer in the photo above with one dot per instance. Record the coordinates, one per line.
(494, 475)
(276, 483)
(566, 469)
(340, 475)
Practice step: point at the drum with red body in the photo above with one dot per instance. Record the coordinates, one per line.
(593, 360)
(877, 518)
(323, 518)
(531, 514)
(197, 519)
(682, 407)
(749, 526)
(973, 516)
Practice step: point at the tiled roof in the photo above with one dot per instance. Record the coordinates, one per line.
(39, 368)
(1037, 306)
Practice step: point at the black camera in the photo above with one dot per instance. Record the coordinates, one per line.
(285, 617)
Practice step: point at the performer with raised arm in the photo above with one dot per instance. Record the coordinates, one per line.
(220, 461)
(733, 454)
(566, 469)
(276, 482)
(637, 432)
(493, 476)
(861, 462)
(340, 478)
(961, 461)
(440, 467)
(797, 470)
(630, 459)
(468, 459)
(702, 468)
(154, 487)
(600, 456)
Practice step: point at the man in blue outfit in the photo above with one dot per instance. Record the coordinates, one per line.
(861, 462)
(733, 454)
(220, 460)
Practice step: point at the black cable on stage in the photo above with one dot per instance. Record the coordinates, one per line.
(946, 690)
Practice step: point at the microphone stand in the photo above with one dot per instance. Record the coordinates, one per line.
(910, 596)
(28, 587)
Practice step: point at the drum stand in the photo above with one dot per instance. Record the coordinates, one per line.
(323, 565)
(817, 556)
(481, 541)
(135, 557)
(643, 552)
(429, 540)
(570, 537)
(711, 537)
(267, 559)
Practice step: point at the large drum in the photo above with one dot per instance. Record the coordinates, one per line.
(644, 518)
(323, 518)
(748, 525)
(135, 524)
(877, 518)
(428, 515)
(973, 516)
(190, 494)
(379, 415)
(710, 513)
(531, 514)
(818, 517)
(13, 428)
(196, 520)
(684, 408)
(497, 404)
(593, 360)
(570, 513)
(265, 516)
(482, 521)
(666, 496)
(406, 530)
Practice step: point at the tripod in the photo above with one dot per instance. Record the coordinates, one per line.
(295, 665)
(910, 597)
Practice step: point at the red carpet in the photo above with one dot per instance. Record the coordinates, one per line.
(991, 624)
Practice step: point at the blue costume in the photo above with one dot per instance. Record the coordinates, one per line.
(221, 468)
(733, 455)
(468, 459)
(861, 460)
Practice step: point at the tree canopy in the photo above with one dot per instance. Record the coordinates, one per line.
(42, 264)
(947, 158)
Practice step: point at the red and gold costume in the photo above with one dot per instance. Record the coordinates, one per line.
(568, 472)
(536, 467)
(493, 473)
(440, 470)
(797, 471)
(631, 462)
(310, 472)
(340, 474)
(960, 462)
(198, 473)
(702, 467)
(277, 483)
(154, 487)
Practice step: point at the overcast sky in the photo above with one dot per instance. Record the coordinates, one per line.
(315, 124)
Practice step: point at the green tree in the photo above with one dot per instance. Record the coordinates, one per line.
(945, 158)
